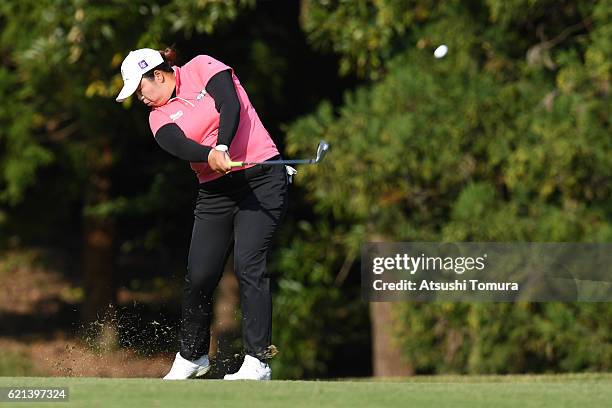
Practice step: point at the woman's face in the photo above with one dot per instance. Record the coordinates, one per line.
(153, 92)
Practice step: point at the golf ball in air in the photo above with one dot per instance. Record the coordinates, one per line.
(441, 51)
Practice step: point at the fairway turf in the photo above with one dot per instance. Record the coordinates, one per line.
(576, 390)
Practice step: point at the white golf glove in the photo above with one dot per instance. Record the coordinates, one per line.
(290, 172)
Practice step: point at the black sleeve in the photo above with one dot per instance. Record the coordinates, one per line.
(221, 88)
(172, 139)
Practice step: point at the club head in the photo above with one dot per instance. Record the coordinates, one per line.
(321, 150)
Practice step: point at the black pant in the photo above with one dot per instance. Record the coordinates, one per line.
(244, 208)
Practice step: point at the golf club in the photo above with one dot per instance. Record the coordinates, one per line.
(321, 150)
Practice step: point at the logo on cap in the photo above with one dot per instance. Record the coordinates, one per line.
(143, 64)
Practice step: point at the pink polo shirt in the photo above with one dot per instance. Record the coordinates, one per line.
(193, 110)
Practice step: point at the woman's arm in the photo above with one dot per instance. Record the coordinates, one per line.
(171, 138)
(221, 88)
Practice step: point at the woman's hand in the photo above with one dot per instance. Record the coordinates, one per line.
(219, 161)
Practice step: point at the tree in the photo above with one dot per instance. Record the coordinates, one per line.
(62, 109)
(503, 140)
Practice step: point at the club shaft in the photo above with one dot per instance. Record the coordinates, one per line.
(303, 161)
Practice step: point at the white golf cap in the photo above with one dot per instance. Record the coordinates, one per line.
(133, 66)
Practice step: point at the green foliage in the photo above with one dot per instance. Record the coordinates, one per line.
(362, 31)
(23, 152)
(187, 17)
(506, 338)
(64, 138)
(505, 139)
(310, 304)
(63, 73)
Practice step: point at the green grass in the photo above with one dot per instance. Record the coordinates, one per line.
(14, 363)
(577, 390)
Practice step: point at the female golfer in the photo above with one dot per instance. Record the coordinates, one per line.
(201, 113)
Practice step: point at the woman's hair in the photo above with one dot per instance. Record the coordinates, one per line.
(169, 56)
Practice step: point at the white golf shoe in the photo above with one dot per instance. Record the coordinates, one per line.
(183, 369)
(252, 369)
